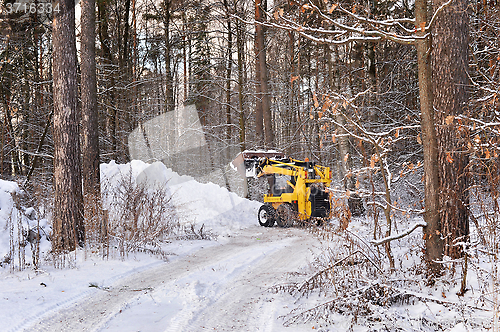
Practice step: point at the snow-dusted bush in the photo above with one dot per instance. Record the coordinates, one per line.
(350, 285)
(138, 216)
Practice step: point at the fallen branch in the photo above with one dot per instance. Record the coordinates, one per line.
(304, 286)
(398, 236)
(423, 298)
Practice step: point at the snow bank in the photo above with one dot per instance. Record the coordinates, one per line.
(217, 209)
(7, 188)
(18, 223)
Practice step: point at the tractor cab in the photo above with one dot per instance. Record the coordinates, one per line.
(298, 190)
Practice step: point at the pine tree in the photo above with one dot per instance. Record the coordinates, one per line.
(68, 228)
(450, 65)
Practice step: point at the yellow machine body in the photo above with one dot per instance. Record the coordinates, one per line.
(305, 175)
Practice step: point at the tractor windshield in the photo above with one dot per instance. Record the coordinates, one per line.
(280, 184)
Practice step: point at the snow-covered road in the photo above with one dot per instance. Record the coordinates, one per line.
(221, 287)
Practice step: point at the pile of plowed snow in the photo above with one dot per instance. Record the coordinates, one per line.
(198, 204)
(216, 209)
(18, 225)
(7, 209)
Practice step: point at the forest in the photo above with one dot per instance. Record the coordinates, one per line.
(399, 98)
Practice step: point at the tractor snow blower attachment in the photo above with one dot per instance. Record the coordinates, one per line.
(298, 190)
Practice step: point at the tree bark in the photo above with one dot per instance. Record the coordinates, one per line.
(90, 125)
(112, 114)
(433, 242)
(449, 66)
(228, 72)
(259, 34)
(240, 45)
(169, 93)
(290, 127)
(261, 73)
(343, 140)
(68, 228)
(126, 31)
(16, 164)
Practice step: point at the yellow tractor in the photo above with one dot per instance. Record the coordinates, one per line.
(298, 190)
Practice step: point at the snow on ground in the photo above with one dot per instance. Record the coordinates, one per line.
(28, 295)
(224, 284)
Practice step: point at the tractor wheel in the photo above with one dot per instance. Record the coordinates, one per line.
(267, 214)
(286, 215)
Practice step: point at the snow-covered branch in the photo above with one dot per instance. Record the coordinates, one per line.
(364, 32)
(395, 208)
(398, 236)
(433, 19)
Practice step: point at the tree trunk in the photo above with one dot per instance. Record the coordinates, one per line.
(68, 203)
(343, 140)
(261, 75)
(290, 127)
(433, 242)
(259, 40)
(36, 157)
(126, 31)
(184, 57)
(111, 120)
(90, 125)
(169, 95)
(228, 73)
(449, 66)
(240, 45)
(16, 164)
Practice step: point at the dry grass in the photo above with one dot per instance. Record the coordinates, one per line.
(136, 218)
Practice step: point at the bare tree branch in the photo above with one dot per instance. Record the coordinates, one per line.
(398, 236)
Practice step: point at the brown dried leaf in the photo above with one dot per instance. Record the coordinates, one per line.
(326, 104)
(316, 103)
(449, 158)
(492, 66)
(449, 119)
(374, 158)
(334, 108)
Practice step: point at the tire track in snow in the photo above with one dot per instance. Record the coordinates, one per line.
(247, 306)
(234, 302)
(69, 302)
